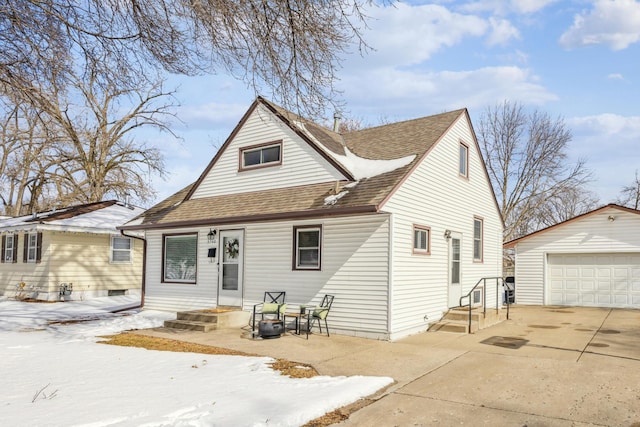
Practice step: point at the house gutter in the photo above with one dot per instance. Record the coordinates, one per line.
(144, 264)
(256, 218)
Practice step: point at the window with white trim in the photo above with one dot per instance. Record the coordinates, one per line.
(9, 243)
(463, 162)
(179, 258)
(32, 247)
(121, 250)
(421, 240)
(478, 230)
(259, 156)
(307, 247)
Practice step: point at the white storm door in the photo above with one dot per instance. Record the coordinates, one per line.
(230, 268)
(455, 270)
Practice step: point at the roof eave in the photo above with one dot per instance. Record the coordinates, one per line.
(315, 213)
(513, 243)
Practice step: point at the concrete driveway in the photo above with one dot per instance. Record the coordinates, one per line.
(546, 366)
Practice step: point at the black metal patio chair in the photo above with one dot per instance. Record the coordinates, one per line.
(319, 314)
(272, 305)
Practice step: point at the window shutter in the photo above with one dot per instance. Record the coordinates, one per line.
(25, 250)
(15, 248)
(4, 242)
(39, 248)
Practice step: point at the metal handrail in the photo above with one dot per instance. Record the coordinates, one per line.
(484, 297)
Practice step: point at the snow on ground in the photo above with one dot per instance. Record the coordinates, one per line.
(55, 374)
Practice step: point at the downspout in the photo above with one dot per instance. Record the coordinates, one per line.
(390, 277)
(144, 264)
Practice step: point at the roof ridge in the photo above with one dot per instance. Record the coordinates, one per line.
(432, 116)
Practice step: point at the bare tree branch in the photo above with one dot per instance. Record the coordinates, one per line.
(288, 50)
(526, 160)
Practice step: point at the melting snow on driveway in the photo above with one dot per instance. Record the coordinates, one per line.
(55, 374)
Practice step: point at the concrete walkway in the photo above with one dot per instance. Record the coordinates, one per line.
(546, 366)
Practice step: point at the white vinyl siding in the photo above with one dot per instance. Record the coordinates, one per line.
(593, 234)
(301, 164)
(180, 296)
(355, 254)
(435, 195)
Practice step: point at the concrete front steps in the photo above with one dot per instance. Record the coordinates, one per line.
(457, 320)
(209, 320)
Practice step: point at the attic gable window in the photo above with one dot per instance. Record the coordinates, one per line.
(263, 155)
(463, 163)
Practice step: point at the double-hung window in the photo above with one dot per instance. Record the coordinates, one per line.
(308, 247)
(478, 231)
(32, 247)
(263, 155)
(9, 243)
(421, 240)
(121, 250)
(463, 160)
(179, 258)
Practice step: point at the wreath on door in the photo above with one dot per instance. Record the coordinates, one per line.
(232, 247)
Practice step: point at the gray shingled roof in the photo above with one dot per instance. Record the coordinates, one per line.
(391, 141)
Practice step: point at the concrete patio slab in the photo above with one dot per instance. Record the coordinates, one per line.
(546, 366)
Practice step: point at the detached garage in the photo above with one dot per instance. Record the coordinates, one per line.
(590, 260)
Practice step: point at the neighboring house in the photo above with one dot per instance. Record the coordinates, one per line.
(590, 260)
(397, 221)
(77, 249)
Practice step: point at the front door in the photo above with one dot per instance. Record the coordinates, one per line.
(230, 268)
(455, 270)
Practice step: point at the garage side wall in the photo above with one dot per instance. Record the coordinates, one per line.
(592, 234)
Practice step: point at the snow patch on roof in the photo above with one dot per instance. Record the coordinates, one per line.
(359, 167)
(103, 220)
(332, 199)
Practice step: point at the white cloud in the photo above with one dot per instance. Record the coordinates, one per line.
(615, 76)
(400, 93)
(404, 35)
(614, 23)
(501, 32)
(501, 7)
(624, 128)
(608, 143)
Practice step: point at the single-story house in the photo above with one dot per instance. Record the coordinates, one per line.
(398, 222)
(71, 253)
(591, 260)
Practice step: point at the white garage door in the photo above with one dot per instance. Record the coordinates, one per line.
(597, 280)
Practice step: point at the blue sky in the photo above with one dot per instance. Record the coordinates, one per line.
(578, 60)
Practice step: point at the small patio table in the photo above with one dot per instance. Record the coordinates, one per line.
(301, 314)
